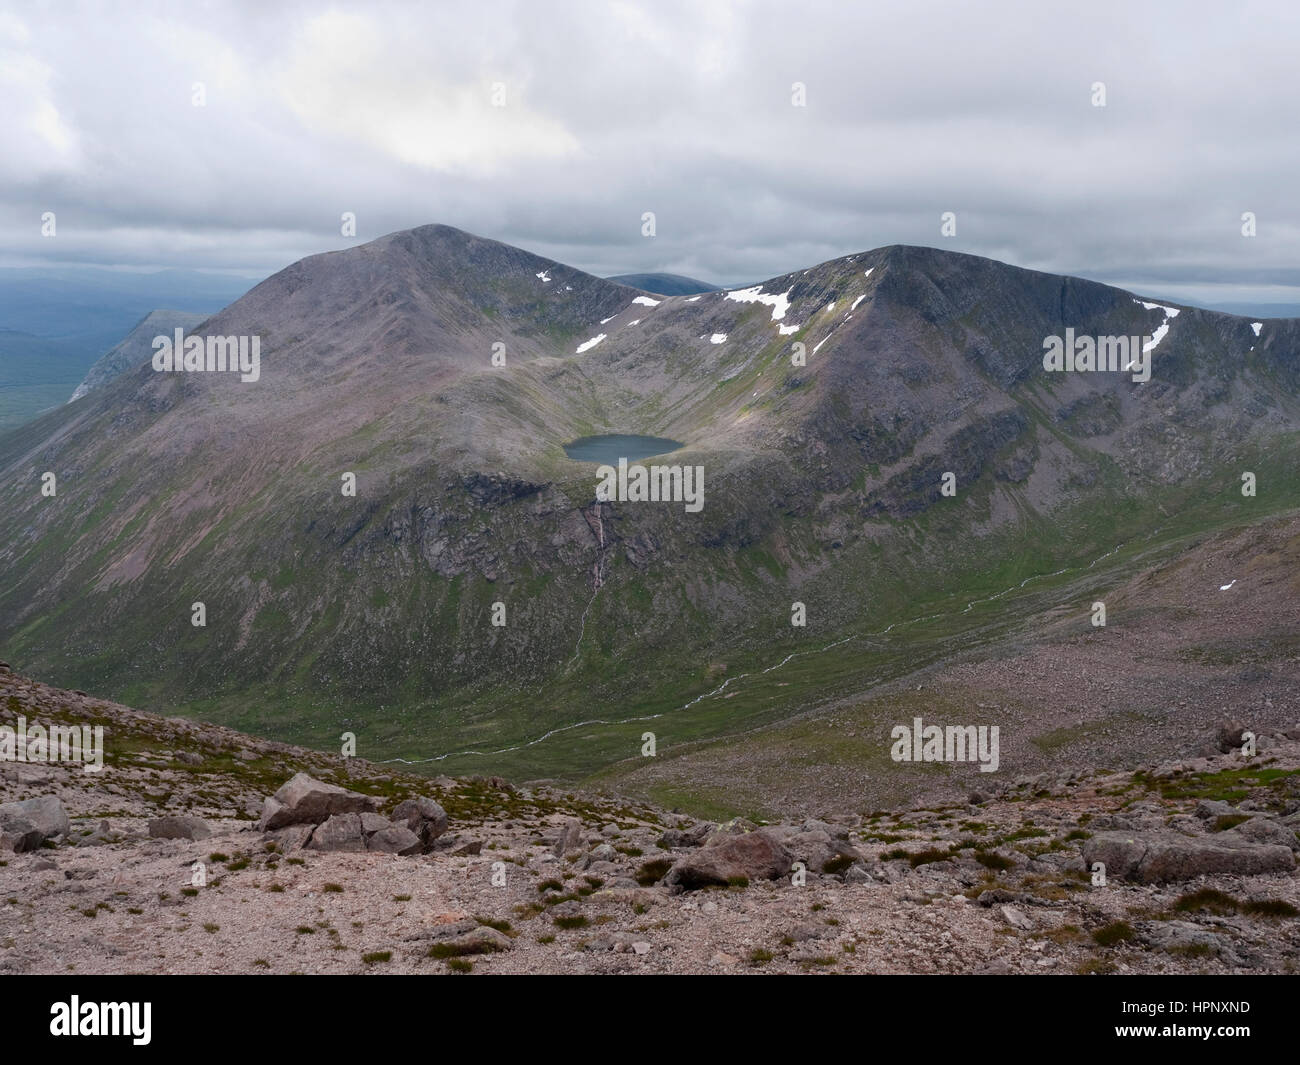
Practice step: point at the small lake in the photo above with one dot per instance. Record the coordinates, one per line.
(610, 448)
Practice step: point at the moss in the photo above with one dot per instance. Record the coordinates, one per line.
(1207, 900)
(1114, 933)
(653, 871)
(568, 923)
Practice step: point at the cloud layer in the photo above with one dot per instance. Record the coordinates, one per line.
(557, 126)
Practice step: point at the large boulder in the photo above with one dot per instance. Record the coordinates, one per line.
(728, 859)
(341, 832)
(1266, 830)
(305, 800)
(179, 826)
(394, 839)
(422, 816)
(820, 852)
(25, 825)
(1153, 857)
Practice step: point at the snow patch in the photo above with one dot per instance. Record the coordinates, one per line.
(692, 299)
(647, 301)
(589, 344)
(718, 338)
(1257, 326)
(634, 321)
(857, 301)
(1225, 587)
(545, 276)
(610, 318)
(786, 330)
(1159, 335)
(779, 304)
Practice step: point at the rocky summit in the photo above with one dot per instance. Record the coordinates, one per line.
(197, 849)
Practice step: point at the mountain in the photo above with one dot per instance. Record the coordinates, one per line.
(665, 284)
(136, 348)
(823, 486)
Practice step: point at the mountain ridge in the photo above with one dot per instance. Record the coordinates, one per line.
(821, 479)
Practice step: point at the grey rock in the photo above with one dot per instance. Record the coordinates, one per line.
(303, 800)
(756, 855)
(179, 826)
(291, 838)
(482, 940)
(1266, 830)
(26, 824)
(1156, 856)
(371, 823)
(341, 832)
(394, 839)
(424, 817)
(570, 838)
(604, 853)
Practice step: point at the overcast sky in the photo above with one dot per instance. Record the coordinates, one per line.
(679, 108)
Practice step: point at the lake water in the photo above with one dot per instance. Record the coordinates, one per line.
(610, 448)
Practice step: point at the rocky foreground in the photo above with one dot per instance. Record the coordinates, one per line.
(197, 849)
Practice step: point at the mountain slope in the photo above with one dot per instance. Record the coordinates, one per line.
(374, 613)
(136, 348)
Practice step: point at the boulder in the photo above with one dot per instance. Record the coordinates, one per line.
(25, 825)
(307, 801)
(394, 839)
(482, 940)
(424, 817)
(675, 838)
(341, 832)
(1154, 857)
(371, 823)
(756, 855)
(570, 838)
(820, 852)
(179, 826)
(1229, 736)
(292, 838)
(1266, 830)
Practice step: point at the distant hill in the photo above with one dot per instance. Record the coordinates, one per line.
(56, 322)
(1258, 310)
(136, 348)
(665, 284)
